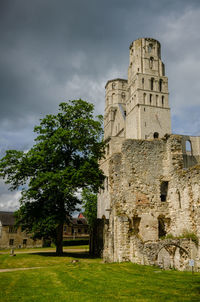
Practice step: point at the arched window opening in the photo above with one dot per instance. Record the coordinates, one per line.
(163, 190)
(150, 98)
(123, 95)
(160, 84)
(151, 62)
(144, 98)
(113, 85)
(179, 199)
(163, 98)
(142, 83)
(188, 147)
(161, 227)
(156, 135)
(150, 47)
(156, 100)
(113, 97)
(134, 225)
(152, 83)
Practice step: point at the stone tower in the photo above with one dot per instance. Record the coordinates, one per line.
(139, 108)
(115, 109)
(147, 109)
(151, 196)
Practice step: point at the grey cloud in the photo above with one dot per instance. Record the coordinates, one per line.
(181, 39)
(52, 51)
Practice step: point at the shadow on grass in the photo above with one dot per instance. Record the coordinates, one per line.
(82, 255)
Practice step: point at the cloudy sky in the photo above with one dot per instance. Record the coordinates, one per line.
(55, 50)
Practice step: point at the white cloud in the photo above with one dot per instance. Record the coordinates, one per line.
(10, 201)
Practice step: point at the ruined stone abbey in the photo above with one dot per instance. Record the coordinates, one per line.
(149, 210)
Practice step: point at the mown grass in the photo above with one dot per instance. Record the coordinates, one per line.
(51, 248)
(91, 280)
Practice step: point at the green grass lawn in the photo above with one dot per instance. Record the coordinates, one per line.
(51, 248)
(59, 279)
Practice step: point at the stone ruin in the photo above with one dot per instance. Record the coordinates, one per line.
(149, 210)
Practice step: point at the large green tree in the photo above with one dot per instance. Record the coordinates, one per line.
(63, 159)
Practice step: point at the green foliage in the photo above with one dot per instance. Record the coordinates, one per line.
(64, 159)
(186, 234)
(190, 235)
(89, 200)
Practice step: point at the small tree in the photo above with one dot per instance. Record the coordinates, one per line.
(63, 160)
(89, 200)
(90, 206)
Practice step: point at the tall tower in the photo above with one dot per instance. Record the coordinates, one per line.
(136, 108)
(147, 108)
(115, 108)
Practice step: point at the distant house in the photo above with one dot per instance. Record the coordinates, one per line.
(76, 228)
(12, 237)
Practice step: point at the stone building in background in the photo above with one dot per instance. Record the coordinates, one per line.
(12, 236)
(76, 228)
(149, 210)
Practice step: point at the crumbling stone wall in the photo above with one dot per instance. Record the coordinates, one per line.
(154, 201)
(151, 193)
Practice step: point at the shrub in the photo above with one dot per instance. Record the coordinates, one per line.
(186, 234)
(191, 236)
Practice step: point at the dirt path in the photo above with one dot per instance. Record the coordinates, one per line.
(36, 251)
(5, 270)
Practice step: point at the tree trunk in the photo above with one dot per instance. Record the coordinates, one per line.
(59, 240)
(91, 242)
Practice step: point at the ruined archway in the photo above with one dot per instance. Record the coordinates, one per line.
(172, 255)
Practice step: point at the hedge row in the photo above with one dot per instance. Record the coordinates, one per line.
(74, 242)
